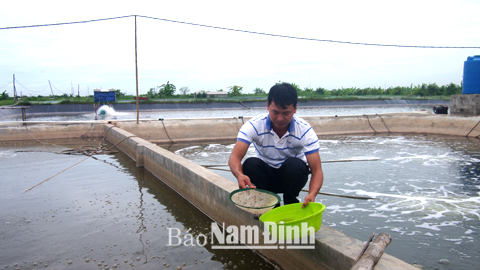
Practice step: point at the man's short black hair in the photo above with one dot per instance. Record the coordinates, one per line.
(283, 94)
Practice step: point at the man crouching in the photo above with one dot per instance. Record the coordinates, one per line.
(286, 147)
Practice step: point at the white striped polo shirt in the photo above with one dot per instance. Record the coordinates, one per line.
(299, 141)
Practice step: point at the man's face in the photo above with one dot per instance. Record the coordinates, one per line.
(281, 117)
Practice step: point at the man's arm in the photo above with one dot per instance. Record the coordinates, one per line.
(235, 163)
(316, 181)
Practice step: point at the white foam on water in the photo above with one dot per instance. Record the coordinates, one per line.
(454, 198)
(452, 240)
(213, 145)
(110, 111)
(429, 160)
(353, 184)
(378, 215)
(106, 110)
(428, 226)
(187, 150)
(420, 186)
(395, 220)
(329, 141)
(398, 208)
(345, 223)
(361, 158)
(344, 208)
(7, 153)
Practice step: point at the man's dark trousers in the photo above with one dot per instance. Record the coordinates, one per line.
(289, 179)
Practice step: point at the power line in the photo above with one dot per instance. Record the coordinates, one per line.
(6, 85)
(58, 90)
(313, 39)
(35, 91)
(27, 88)
(250, 32)
(64, 23)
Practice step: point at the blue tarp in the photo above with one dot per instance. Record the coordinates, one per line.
(104, 96)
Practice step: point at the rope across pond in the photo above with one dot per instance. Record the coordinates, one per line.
(88, 151)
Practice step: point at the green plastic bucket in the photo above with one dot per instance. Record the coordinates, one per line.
(254, 200)
(291, 217)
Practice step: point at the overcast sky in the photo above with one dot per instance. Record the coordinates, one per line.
(102, 54)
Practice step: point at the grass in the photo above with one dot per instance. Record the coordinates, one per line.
(7, 102)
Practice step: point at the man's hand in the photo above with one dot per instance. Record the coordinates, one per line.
(238, 152)
(316, 181)
(244, 182)
(309, 198)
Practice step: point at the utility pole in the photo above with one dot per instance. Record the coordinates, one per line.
(136, 65)
(14, 89)
(51, 89)
(78, 90)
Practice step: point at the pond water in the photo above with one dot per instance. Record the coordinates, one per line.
(305, 111)
(97, 213)
(426, 192)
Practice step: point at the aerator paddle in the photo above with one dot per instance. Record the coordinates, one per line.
(254, 200)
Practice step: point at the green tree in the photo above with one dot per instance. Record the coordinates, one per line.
(334, 92)
(119, 94)
(420, 90)
(349, 91)
(320, 91)
(451, 89)
(374, 91)
(184, 91)
(299, 91)
(4, 95)
(433, 90)
(308, 90)
(201, 94)
(259, 91)
(397, 91)
(235, 90)
(166, 90)
(152, 93)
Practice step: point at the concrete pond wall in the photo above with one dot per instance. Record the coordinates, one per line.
(217, 129)
(209, 192)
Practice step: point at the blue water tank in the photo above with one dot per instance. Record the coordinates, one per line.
(471, 75)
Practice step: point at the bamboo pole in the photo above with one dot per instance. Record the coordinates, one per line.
(344, 196)
(211, 167)
(325, 161)
(136, 67)
(365, 247)
(373, 253)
